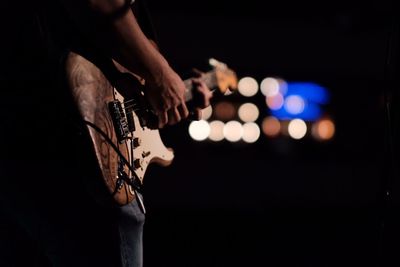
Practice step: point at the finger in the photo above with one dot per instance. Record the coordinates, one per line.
(204, 91)
(197, 114)
(162, 119)
(197, 72)
(183, 110)
(173, 116)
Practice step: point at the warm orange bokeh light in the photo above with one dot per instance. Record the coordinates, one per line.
(271, 126)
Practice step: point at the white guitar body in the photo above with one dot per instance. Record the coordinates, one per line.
(147, 146)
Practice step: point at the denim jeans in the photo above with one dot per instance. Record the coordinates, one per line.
(67, 226)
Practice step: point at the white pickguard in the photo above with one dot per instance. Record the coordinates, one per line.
(150, 146)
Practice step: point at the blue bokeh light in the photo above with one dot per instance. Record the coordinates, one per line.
(314, 97)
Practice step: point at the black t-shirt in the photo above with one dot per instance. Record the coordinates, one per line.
(36, 37)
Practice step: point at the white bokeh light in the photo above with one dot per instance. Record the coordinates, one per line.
(206, 113)
(248, 112)
(199, 130)
(216, 131)
(248, 86)
(297, 128)
(251, 132)
(233, 131)
(269, 86)
(294, 104)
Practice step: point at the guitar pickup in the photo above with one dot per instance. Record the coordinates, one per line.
(119, 120)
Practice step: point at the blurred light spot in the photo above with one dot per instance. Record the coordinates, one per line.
(310, 91)
(206, 113)
(271, 126)
(248, 86)
(269, 86)
(283, 86)
(248, 112)
(297, 128)
(294, 104)
(323, 129)
(199, 130)
(275, 102)
(251, 132)
(312, 112)
(216, 131)
(233, 131)
(224, 111)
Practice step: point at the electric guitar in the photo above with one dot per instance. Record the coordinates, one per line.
(120, 123)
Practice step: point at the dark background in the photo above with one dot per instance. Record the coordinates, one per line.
(280, 202)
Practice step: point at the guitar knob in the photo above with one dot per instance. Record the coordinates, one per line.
(136, 142)
(137, 164)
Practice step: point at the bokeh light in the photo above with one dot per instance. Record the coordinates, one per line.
(248, 112)
(224, 111)
(216, 131)
(206, 113)
(199, 130)
(233, 131)
(323, 129)
(248, 86)
(271, 126)
(297, 128)
(294, 104)
(269, 86)
(251, 132)
(275, 102)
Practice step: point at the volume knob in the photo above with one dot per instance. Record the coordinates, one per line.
(136, 142)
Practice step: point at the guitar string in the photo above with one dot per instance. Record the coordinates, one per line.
(131, 108)
(125, 102)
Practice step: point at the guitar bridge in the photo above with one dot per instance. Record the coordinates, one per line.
(119, 120)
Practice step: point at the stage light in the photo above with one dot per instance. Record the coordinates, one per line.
(312, 92)
(248, 112)
(233, 131)
(269, 86)
(206, 113)
(248, 86)
(294, 104)
(216, 131)
(323, 129)
(302, 100)
(199, 130)
(275, 102)
(271, 126)
(251, 132)
(283, 86)
(224, 111)
(297, 128)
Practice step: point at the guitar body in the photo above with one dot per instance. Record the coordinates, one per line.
(140, 146)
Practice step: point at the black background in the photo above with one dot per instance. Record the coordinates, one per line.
(279, 202)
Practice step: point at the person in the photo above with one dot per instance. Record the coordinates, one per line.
(41, 167)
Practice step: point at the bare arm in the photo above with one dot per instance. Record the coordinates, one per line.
(131, 48)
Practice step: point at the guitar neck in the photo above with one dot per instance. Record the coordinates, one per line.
(210, 80)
